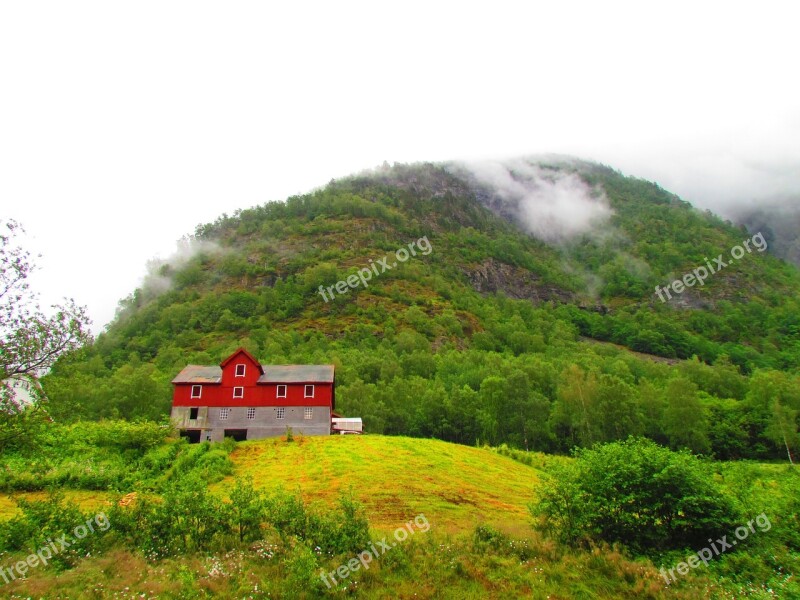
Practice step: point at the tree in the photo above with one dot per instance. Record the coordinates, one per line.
(685, 421)
(30, 341)
(247, 508)
(618, 413)
(574, 407)
(773, 401)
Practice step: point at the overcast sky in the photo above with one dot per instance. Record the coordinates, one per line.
(123, 125)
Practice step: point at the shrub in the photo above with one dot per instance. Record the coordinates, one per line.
(302, 578)
(637, 493)
(332, 532)
(43, 521)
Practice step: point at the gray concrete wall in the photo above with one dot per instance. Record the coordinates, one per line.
(181, 420)
(265, 424)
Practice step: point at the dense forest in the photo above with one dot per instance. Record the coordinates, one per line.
(493, 336)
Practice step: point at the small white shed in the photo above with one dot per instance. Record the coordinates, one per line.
(345, 425)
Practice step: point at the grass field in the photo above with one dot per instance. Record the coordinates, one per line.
(456, 487)
(396, 478)
(84, 499)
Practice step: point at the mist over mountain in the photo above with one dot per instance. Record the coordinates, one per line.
(546, 259)
(780, 225)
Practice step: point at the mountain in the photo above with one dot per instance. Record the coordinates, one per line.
(510, 301)
(781, 227)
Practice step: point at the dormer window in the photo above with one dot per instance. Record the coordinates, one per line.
(240, 370)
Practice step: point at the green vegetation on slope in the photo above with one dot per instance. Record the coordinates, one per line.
(480, 340)
(276, 537)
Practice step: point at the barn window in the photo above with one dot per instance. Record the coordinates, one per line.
(280, 413)
(240, 370)
(309, 391)
(193, 413)
(238, 392)
(197, 390)
(308, 412)
(281, 391)
(251, 413)
(223, 414)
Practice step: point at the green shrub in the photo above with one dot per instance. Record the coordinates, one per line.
(637, 493)
(302, 578)
(43, 522)
(345, 530)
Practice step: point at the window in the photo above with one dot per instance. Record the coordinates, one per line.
(223, 414)
(196, 391)
(251, 413)
(238, 392)
(193, 413)
(308, 412)
(240, 370)
(309, 391)
(280, 413)
(281, 391)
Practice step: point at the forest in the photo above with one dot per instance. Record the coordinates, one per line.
(494, 337)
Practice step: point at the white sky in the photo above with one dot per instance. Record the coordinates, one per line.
(123, 125)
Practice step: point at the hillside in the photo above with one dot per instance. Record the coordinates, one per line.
(475, 331)
(471, 532)
(395, 478)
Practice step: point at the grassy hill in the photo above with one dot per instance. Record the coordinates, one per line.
(479, 540)
(395, 478)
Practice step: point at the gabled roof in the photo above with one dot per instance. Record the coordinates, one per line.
(199, 374)
(297, 374)
(247, 354)
(270, 374)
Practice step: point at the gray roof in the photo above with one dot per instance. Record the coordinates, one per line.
(297, 374)
(199, 374)
(272, 374)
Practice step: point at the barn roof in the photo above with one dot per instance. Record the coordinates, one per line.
(239, 351)
(199, 374)
(271, 374)
(297, 374)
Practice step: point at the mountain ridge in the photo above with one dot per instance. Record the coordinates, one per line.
(481, 338)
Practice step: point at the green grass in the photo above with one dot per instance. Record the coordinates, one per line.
(83, 499)
(457, 488)
(396, 478)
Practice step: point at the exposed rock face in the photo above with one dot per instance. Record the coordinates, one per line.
(515, 282)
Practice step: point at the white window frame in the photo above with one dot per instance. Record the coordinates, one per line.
(199, 389)
(251, 412)
(305, 391)
(244, 370)
(308, 413)
(280, 413)
(223, 414)
(240, 394)
(279, 395)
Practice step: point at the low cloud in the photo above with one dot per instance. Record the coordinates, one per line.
(554, 205)
(160, 271)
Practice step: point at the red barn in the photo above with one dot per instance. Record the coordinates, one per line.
(246, 400)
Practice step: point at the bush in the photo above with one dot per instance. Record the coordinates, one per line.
(636, 493)
(332, 532)
(43, 521)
